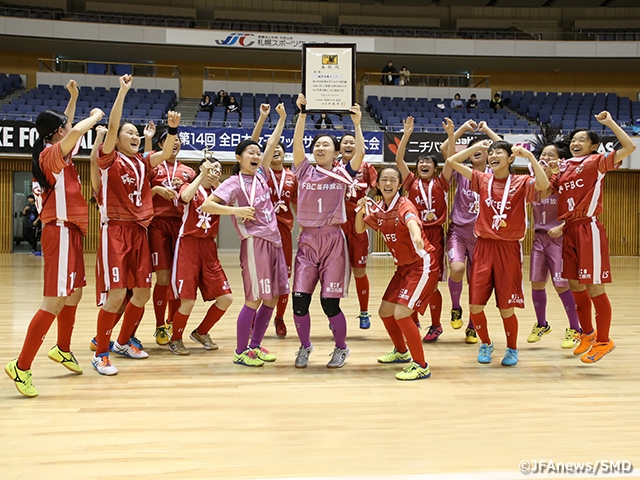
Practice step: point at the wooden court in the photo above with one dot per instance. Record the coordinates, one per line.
(201, 416)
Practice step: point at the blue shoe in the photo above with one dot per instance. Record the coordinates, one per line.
(484, 354)
(510, 357)
(94, 345)
(135, 342)
(365, 320)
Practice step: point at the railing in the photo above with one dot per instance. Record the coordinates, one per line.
(253, 74)
(59, 65)
(431, 80)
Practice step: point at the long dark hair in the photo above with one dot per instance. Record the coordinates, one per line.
(47, 124)
(235, 170)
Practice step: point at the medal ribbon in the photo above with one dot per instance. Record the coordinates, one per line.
(170, 178)
(499, 216)
(136, 196)
(344, 177)
(428, 199)
(280, 205)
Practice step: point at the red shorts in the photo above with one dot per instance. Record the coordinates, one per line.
(497, 265)
(287, 245)
(585, 252)
(123, 259)
(357, 244)
(435, 236)
(163, 233)
(412, 285)
(63, 259)
(196, 265)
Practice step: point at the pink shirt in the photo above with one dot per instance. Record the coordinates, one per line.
(320, 197)
(265, 225)
(545, 212)
(465, 202)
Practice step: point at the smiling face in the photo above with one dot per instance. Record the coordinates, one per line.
(347, 147)
(278, 157)
(549, 157)
(389, 183)
(128, 141)
(425, 168)
(324, 151)
(479, 160)
(582, 144)
(176, 148)
(249, 159)
(499, 161)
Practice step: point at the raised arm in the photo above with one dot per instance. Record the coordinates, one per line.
(68, 143)
(149, 133)
(298, 133)
(456, 159)
(272, 143)
(70, 111)
(449, 128)
(448, 148)
(358, 156)
(402, 148)
(116, 114)
(173, 120)
(189, 192)
(94, 169)
(542, 182)
(265, 108)
(627, 145)
(484, 128)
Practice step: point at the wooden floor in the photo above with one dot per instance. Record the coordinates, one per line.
(201, 416)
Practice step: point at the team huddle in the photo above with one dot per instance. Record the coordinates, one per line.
(158, 215)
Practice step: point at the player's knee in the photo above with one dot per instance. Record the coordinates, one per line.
(330, 306)
(301, 302)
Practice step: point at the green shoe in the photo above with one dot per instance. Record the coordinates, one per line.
(264, 355)
(414, 372)
(248, 358)
(21, 378)
(67, 359)
(395, 357)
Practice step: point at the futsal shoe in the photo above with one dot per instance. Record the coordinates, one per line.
(456, 318)
(129, 350)
(281, 328)
(510, 357)
(395, 357)
(537, 332)
(302, 357)
(93, 346)
(571, 338)
(264, 355)
(586, 342)
(338, 357)
(484, 353)
(177, 347)
(163, 334)
(470, 336)
(365, 320)
(433, 334)
(248, 358)
(21, 379)
(102, 364)
(597, 351)
(204, 340)
(414, 372)
(67, 359)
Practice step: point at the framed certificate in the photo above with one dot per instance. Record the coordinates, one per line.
(329, 77)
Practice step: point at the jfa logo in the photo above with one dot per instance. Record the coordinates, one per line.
(404, 293)
(334, 287)
(240, 38)
(516, 299)
(583, 273)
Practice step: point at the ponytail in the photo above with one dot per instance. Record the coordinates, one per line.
(47, 124)
(37, 172)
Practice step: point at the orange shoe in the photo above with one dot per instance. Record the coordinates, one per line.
(598, 350)
(586, 342)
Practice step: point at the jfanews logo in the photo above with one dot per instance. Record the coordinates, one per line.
(242, 39)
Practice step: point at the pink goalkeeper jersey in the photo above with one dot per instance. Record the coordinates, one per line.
(465, 202)
(320, 197)
(545, 212)
(265, 225)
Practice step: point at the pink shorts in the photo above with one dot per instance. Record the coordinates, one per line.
(264, 270)
(460, 243)
(63, 259)
(546, 257)
(322, 255)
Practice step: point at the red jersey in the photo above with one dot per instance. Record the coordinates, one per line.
(173, 176)
(366, 174)
(195, 222)
(392, 224)
(125, 190)
(502, 216)
(284, 192)
(579, 185)
(429, 197)
(64, 201)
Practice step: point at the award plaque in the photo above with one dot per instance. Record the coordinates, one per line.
(329, 77)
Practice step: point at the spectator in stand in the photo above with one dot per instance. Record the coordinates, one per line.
(472, 102)
(496, 103)
(405, 75)
(206, 105)
(457, 102)
(233, 106)
(389, 74)
(324, 122)
(222, 99)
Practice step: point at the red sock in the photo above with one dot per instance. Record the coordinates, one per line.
(283, 300)
(583, 308)
(412, 336)
(160, 294)
(435, 307)
(603, 316)
(480, 324)
(511, 331)
(210, 319)
(135, 328)
(362, 286)
(393, 329)
(106, 321)
(174, 305)
(38, 328)
(179, 324)
(66, 320)
(118, 318)
(132, 315)
(415, 318)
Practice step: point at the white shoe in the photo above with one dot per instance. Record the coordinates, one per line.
(103, 365)
(129, 350)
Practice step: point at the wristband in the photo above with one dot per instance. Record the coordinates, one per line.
(172, 131)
